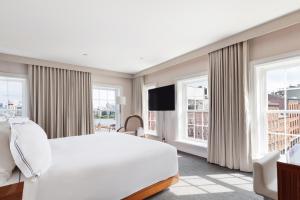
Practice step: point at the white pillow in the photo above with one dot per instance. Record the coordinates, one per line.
(7, 163)
(30, 149)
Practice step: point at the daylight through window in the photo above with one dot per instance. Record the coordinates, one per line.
(105, 109)
(12, 96)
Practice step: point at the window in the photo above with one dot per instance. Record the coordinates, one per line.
(152, 122)
(193, 109)
(12, 96)
(280, 104)
(149, 116)
(106, 112)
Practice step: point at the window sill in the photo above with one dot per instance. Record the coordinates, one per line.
(151, 133)
(200, 144)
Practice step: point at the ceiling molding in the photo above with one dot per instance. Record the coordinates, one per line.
(265, 28)
(33, 61)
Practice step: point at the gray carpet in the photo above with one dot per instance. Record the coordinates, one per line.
(201, 180)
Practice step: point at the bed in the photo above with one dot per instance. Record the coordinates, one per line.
(104, 166)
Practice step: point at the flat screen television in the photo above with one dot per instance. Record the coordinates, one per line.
(162, 98)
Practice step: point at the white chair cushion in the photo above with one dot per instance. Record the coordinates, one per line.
(7, 163)
(30, 149)
(140, 132)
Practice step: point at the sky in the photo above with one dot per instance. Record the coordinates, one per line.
(280, 78)
(10, 90)
(103, 96)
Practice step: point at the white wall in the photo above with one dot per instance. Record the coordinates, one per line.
(177, 72)
(12, 68)
(171, 75)
(276, 43)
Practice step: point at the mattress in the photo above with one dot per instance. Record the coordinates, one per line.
(102, 166)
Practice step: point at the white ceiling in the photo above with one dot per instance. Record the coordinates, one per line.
(126, 36)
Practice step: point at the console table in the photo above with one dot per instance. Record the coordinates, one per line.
(288, 179)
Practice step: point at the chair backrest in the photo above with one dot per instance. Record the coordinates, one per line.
(133, 122)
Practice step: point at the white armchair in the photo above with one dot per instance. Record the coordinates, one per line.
(265, 175)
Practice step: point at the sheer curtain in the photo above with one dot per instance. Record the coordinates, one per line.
(61, 101)
(137, 95)
(229, 142)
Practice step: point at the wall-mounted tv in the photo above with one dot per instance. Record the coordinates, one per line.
(162, 98)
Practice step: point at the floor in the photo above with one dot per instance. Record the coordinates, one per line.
(201, 180)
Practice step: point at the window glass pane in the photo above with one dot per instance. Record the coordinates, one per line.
(292, 123)
(293, 99)
(206, 104)
(293, 77)
(102, 104)
(205, 118)
(149, 115)
(282, 87)
(276, 142)
(3, 87)
(191, 118)
(11, 97)
(104, 109)
(3, 102)
(275, 89)
(97, 113)
(96, 93)
(276, 123)
(152, 125)
(191, 104)
(282, 130)
(198, 118)
(110, 105)
(199, 105)
(103, 94)
(96, 104)
(14, 88)
(191, 131)
(205, 133)
(292, 141)
(199, 132)
(195, 103)
(111, 95)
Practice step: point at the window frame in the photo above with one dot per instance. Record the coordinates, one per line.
(118, 92)
(182, 111)
(24, 81)
(146, 88)
(261, 101)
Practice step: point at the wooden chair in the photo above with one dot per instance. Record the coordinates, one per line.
(132, 124)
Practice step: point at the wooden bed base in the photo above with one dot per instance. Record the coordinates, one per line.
(14, 192)
(153, 189)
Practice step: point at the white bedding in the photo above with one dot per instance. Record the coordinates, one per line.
(102, 166)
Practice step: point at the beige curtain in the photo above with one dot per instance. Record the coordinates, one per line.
(61, 101)
(137, 95)
(229, 142)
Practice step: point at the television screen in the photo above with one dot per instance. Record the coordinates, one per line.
(162, 98)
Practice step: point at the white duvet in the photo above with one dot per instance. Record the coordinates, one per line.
(105, 166)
